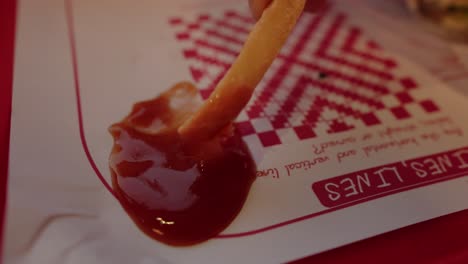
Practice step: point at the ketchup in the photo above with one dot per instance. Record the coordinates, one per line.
(177, 192)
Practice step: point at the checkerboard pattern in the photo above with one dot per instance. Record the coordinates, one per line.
(328, 78)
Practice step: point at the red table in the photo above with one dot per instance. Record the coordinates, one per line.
(441, 240)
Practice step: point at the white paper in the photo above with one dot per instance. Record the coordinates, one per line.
(59, 212)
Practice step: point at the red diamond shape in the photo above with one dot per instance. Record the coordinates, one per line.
(304, 132)
(279, 122)
(400, 112)
(190, 53)
(408, 83)
(175, 21)
(245, 128)
(339, 126)
(370, 119)
(196, 74)
(269, 138)
(193, 26)
(254, 111)
(429, 106)
(205, 93)
(203, 17)
(404, 97)
(182, 36)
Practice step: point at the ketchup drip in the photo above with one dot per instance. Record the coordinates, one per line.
(177, 192)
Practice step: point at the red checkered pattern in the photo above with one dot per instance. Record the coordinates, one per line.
(328, 77)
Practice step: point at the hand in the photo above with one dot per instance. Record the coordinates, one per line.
(257, 6)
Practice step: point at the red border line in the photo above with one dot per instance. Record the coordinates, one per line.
(74, 57)
(71, 34)
(7, 48)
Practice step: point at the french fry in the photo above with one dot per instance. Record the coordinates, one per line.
(234, 91)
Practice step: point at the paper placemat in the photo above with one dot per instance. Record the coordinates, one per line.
(350, 140)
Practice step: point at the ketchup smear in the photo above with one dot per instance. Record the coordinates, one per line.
(177, 192)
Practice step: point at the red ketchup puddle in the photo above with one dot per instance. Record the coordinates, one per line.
(177, 192)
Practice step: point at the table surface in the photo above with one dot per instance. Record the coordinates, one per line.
(441, 240)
